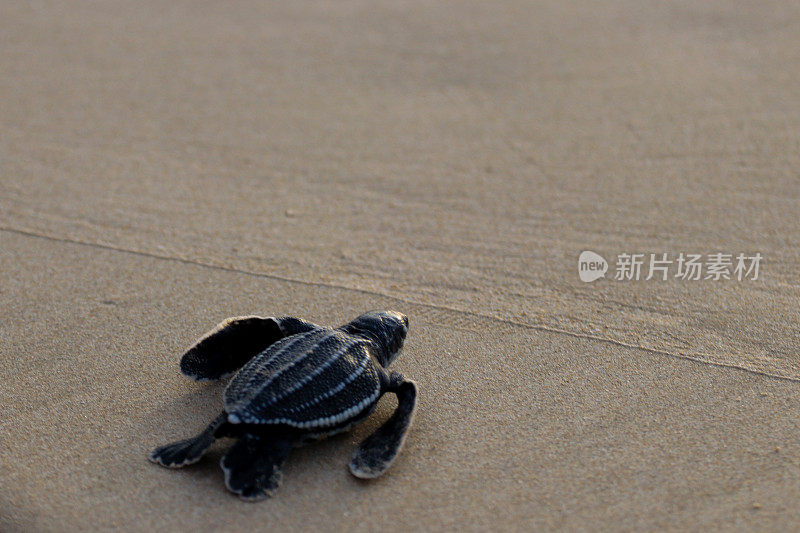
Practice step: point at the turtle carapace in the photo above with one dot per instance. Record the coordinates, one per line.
(296, 382)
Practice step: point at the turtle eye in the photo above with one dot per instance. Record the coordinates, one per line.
(397, 343)
(399, 337)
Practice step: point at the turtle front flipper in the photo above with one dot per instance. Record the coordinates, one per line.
(379, 450)
(188, 451)
(235, 341)
(253, 466)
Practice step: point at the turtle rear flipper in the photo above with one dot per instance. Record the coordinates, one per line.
(379, 450)
(234, 342)
(188, 451)
(253, 464)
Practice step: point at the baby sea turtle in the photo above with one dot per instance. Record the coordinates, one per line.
(297, 382)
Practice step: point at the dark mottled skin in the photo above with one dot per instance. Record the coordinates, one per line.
(252, 465)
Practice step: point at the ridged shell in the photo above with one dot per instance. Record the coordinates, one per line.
(311, 380)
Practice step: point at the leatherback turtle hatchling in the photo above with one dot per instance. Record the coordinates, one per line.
(296, 382)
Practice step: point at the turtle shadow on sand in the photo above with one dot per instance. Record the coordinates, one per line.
(202, 402)
(293, 383)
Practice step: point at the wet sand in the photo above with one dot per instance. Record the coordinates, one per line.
(166, 166)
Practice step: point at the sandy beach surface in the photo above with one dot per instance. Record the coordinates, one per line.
(165, 165)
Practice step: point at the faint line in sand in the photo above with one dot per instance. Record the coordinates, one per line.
(699, 358)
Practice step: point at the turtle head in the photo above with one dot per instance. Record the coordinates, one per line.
(389, 328)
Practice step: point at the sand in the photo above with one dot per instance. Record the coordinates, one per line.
(166, 165)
